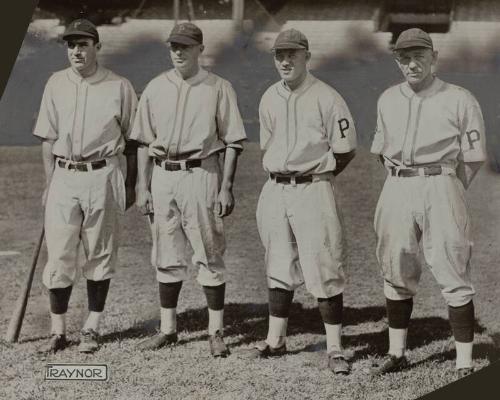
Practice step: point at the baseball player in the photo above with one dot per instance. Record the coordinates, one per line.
(85, 117)
(430, 137)
(308, 136)
(186, 117)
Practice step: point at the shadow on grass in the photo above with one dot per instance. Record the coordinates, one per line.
(248, 322)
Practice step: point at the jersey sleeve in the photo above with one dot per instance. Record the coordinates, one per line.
(378, 139)
(229, 122)
(144, 127)
(129, 108)
(265, 123)
(472, 132)
(46, 124)
(340, 126)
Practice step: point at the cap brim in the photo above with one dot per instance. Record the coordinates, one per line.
(71, 34)
(291, 46)
(412, 44)
(182, 40)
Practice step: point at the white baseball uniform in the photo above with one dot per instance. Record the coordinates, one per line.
(192, 119)
(300, 224)
(438, 126)
(88, 120)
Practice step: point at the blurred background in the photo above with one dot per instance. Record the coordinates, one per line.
(350, 44)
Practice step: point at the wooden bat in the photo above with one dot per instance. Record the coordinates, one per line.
(16, 320)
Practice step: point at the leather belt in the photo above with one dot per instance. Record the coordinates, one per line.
(177, 166)
(291, 179)
(419, 171)
(81, 166)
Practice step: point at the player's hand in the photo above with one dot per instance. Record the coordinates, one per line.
(129, 196)
(144, 201)
(225, 203)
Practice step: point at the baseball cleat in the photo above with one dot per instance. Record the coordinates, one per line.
(388, 364)
(263, 350)
(158, 341)
(463, 372)
(217, 346)
(338, 363)
(88, 341)
(56, 343)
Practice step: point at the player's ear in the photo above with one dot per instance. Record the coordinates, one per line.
(434, 56)
(202, 47)
(308, 55)
(98, 45)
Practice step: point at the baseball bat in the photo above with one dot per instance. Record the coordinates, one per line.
(16, 320)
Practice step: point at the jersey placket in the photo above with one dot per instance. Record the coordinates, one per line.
(411, 130)
(291, 127)
(175, 142)
(79, 121)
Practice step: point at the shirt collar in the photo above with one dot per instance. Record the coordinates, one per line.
(97, 76)
(200, 76)
(434, 87)
(306, 84)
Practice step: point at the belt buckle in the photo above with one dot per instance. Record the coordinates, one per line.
(293, 182)
(183, 165)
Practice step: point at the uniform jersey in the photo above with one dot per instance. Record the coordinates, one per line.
(87, 118)
(188, 119)
(301, 129)
(442, 124)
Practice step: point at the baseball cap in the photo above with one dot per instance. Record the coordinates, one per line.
(291, 39)
(414, 37)
(186, 33)
(81, 27)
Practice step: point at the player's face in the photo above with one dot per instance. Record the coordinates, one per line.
(185, 57)
(291, 64)
(82, 54)
(416, 64)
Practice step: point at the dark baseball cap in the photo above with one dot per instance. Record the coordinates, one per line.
(414, 37)
(291, 39)
(186, 33)
(81, 27)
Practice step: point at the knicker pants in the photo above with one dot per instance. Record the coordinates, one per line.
(431, 210)
(301, 229)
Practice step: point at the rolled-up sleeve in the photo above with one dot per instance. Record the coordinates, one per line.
(46, 124)
(472, 131)
(339, 125)
(229, 122)
(144, 128)
(129, 108)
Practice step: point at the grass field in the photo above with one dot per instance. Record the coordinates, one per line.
(187, 371)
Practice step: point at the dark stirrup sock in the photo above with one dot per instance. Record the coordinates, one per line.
(331, 309)
(59, 299)
(215, 296)
(399, 313)
(169, 293)
(462, 322)
(280, 302)
(97, 291)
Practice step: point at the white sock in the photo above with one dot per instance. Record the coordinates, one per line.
(215, 321)
(276, 335)
(58, 322)
(168, 318)
(464, 355)
(93, 321)
(397, 341)
(333, 337)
